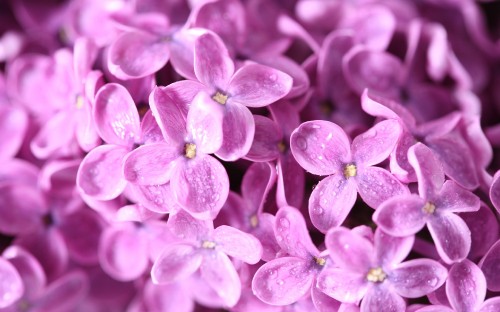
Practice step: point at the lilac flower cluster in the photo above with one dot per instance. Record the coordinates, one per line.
(207, 155)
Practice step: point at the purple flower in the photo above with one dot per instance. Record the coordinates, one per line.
(489, 265)
(252, 85)
(434, 206)
(12, 287)
(374, 271)
(198, 182)
(286, 279)
(207, 249)
(323, 148)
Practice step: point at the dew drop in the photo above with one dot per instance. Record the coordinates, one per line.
(280, 282)
(284, 222)
(301, 143)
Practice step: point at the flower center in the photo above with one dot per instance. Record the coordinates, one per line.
(254, 221)
(190, 150)
(79, 102)
(429, 208)
(376, 275)
(220, 97)
(320, 261)
(282, 147)
(350, 171)
(208, 245)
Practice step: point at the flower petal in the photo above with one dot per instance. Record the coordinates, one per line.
(151, 164)
(451, 237)
(239, 129)
(466, 286)
(345, 286)
(292, 235)
(100, 174)
(350, 251)
(495, 191)
(204, 123)
(490, 305)
(54, 136)
(170, 107)
(382, 298)
(256, 85)
(187, 228)
(11, 288)
(137, 54)
(490, 265)
(256, 184)
(291, 181)
(13, 127)
(65, 293)
(401, 215)
(391, 251)
(238, 244)
(282, 281)
(484, 229)
(376, 185)
(218, 271)
(266, 139)
(320, 147)
(331, 201)
(116, 116)
(376, 144)
(416, 278)
(212, 64)
(201, 186)
(454, 198)
(177, 262)
(123, 252)
(157, 198)
(428, 168)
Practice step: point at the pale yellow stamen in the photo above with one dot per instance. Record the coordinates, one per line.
(254, 221)
(350, 171)
(281, 147)
(220, 98)
(429, 208)
(79, 102)
(376, 275)
(208, 245)
(320, 261)
(190, 150)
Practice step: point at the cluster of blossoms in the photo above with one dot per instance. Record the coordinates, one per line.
(194, 155)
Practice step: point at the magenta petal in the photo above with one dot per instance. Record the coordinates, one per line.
(177, 262)
(401, 215)
(239, 129)
(81, 231)
(212, 64)
(383, 107)
(204, 123)
(376, 185)
(416, 278)
(291, 182)
(349, 250)
(169, 298)
(451, 236)
(54, 135)
(13, 126)
(256, 184)
(218, 271)
(292, 235)
(100, 174)
(157, 198)
(169, 106)
(201, 186)
(390, 250)
(123, 252)
(466, 286)
(490, 265)
(137, 54)
(454, 198)
(151, 164)
(376, 144)
(21, 208)
(256, 85)
(11, 288)
(116, 116)
(377, 71)
(343, 285)
(428, 168)
(495, 191)
(282, 281)
(65, 293)
(320, 147)
(491, 305)
(380, 297)
(187, 228)
(238, 244)
(266, 140)
(331, 201)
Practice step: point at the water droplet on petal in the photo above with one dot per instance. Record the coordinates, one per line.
(284, 222)
(301, 143)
